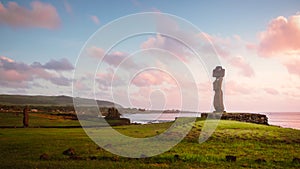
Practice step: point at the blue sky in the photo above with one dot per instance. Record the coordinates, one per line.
(239, 29)
(224, 18)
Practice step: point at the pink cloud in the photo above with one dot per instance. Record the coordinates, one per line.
(6, 59)
(234, 88)
(13, 76)
(282, 35)
(293, 66)
(271, 91)
(251, 46)
(223, 48)
(244, 67)
(113, 59)
(18, 74)
(42, 15)
(152, 77)
(107, 79)
(95, 19)
(95, 52)
(166, 43)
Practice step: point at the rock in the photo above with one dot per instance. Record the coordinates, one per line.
(75, 157)
(296, 160)
(260, 160)
(69, 152)
(115, 158)
(44, 156)
(230, 158)
(93, 158)
(99, 148)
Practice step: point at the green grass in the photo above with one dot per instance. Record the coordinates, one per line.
(21, 147)
(35, 120)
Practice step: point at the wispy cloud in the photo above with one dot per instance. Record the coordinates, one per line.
(244, 68)
(68, 7)
(95, 19)
(271, 91)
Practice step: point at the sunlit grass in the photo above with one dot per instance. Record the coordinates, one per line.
(21, 147)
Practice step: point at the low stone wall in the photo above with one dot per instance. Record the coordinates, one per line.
(243, 117)
(118, 122)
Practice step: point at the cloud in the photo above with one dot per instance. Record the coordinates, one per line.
(282, 39)
(42, 15)
(108, 79)
(58, 65)
(151, 77)
(235, 88)
(244, 68)
(293, 66)
(224, 49)
(60, 81)
(271, 91)
(95, 52)
(95, 19)
(113, 59)
(166, 43)
(19, 74)
(68, 7)
(6, 59)
(282, 35)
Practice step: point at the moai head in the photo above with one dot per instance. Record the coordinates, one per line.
(218, 72)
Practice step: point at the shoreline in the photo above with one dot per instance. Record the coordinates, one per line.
(274, 118)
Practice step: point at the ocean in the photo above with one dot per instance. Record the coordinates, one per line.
(283, 119)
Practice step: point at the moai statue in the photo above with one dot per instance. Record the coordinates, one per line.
(218, 73)
(25, 117)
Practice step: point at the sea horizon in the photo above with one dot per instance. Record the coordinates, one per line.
(281, 119)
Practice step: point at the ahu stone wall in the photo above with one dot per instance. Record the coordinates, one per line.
(243, 117)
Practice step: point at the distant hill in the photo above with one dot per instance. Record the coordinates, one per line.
(45, 100)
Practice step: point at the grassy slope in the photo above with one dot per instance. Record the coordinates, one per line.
(21, 148)
(44, 100)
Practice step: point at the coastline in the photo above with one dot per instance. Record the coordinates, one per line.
(280, 119)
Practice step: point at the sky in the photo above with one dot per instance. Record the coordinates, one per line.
(257, 42)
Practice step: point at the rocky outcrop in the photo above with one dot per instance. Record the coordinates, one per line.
(243, 117)
(113, 118)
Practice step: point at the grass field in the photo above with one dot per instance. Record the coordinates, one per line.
(22, 147)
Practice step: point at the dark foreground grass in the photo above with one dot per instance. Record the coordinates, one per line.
(22, 147)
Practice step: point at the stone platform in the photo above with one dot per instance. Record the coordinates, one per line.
(243, 117)
(118, 122)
